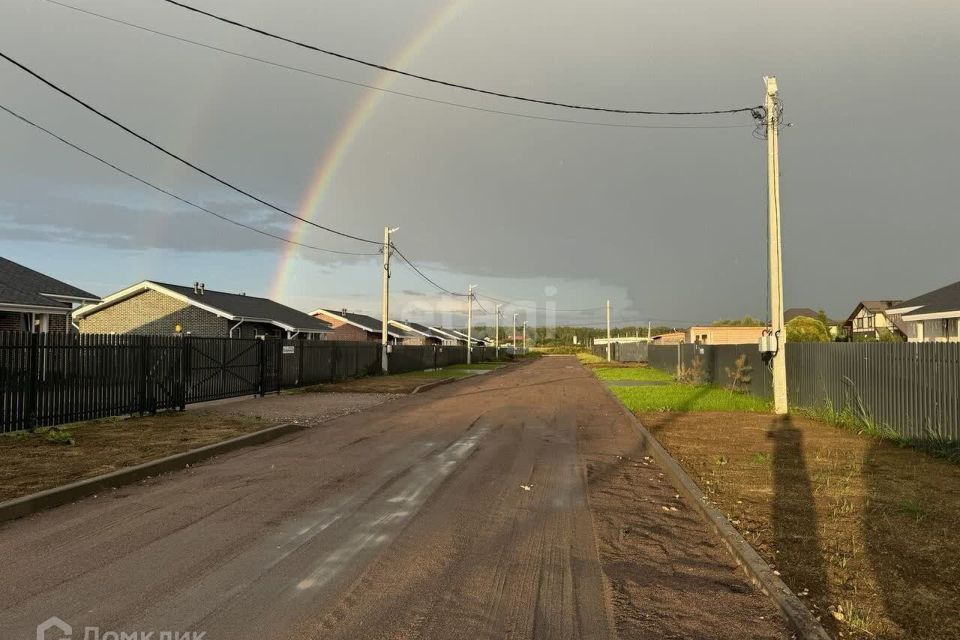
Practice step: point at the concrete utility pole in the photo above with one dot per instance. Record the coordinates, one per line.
(775, 247)
(496, 340)
(608, 331)
(470, 321)
(385, 303)
(515, 331)
(649, 326)
(524, 336)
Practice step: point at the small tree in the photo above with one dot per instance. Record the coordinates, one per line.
(740, 374)
(803, 329)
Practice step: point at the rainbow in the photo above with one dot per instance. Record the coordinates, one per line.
(335, 154)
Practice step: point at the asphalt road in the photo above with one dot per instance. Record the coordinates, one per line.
(512, 505)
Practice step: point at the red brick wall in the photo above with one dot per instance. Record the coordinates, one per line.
(347, 332)
(10, 321)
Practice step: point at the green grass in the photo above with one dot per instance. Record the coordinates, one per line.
(682, 397)
(633, 373)
(589, 358)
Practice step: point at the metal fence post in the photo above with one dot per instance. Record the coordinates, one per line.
(142, 390)
(261, 351)
(300, 364)
(34, 373)
(184, 371)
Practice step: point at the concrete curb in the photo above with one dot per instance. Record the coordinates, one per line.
(435, 383)
(798, 616)
(49, 498)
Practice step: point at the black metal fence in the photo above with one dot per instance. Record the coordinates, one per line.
(48, 379)
(912, 388)
(623, 352)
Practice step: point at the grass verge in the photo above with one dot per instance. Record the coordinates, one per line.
(675, 396)
(31, 462)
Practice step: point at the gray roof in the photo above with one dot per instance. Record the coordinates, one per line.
(425, 330)
(367, 323)
(937, 301)
(243, 306)
(21, 285)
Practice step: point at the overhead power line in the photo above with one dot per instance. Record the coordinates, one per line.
(455, 85)
(172, 195)
(180, 159)
(404, 94)
(417, 270)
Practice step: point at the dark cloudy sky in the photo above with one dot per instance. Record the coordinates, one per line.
(667, 223)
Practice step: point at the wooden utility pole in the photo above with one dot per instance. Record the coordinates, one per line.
(385, 303)
(470, 321)
(775, 248)
(608, 331)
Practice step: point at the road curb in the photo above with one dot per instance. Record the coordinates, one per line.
(436, 383)
(798, 616)
(49, 498)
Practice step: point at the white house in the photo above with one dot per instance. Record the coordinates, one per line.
(933, 316)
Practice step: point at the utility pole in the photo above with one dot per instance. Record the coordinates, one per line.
(775, 247)
(608, 331)
(524, 336)
(515, 332)
(496, 340)
(385, 303)
(649, 327)
(470, 321)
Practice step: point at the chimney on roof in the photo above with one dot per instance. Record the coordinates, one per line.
(343, 312)
(202, 287)
(196, 287)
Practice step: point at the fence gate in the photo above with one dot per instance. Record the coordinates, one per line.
(223, 368)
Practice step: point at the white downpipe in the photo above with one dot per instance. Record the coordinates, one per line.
(235, 326)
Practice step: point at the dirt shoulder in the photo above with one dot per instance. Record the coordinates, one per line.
(34, 462)
(867, 530)
(669, 575)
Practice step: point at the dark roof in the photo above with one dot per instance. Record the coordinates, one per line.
(244, 306)
(937, 301)
(448, 334)
(873, 306)
(879, 305)
(368, 323)
(424, 329)
(799, 312)
(21, 285)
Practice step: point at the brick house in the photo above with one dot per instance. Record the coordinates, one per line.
(356, 327)
(157, 308)
(32, 301)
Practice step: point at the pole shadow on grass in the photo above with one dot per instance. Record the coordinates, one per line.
(794, 516)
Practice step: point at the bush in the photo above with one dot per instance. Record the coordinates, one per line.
(803, 329)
